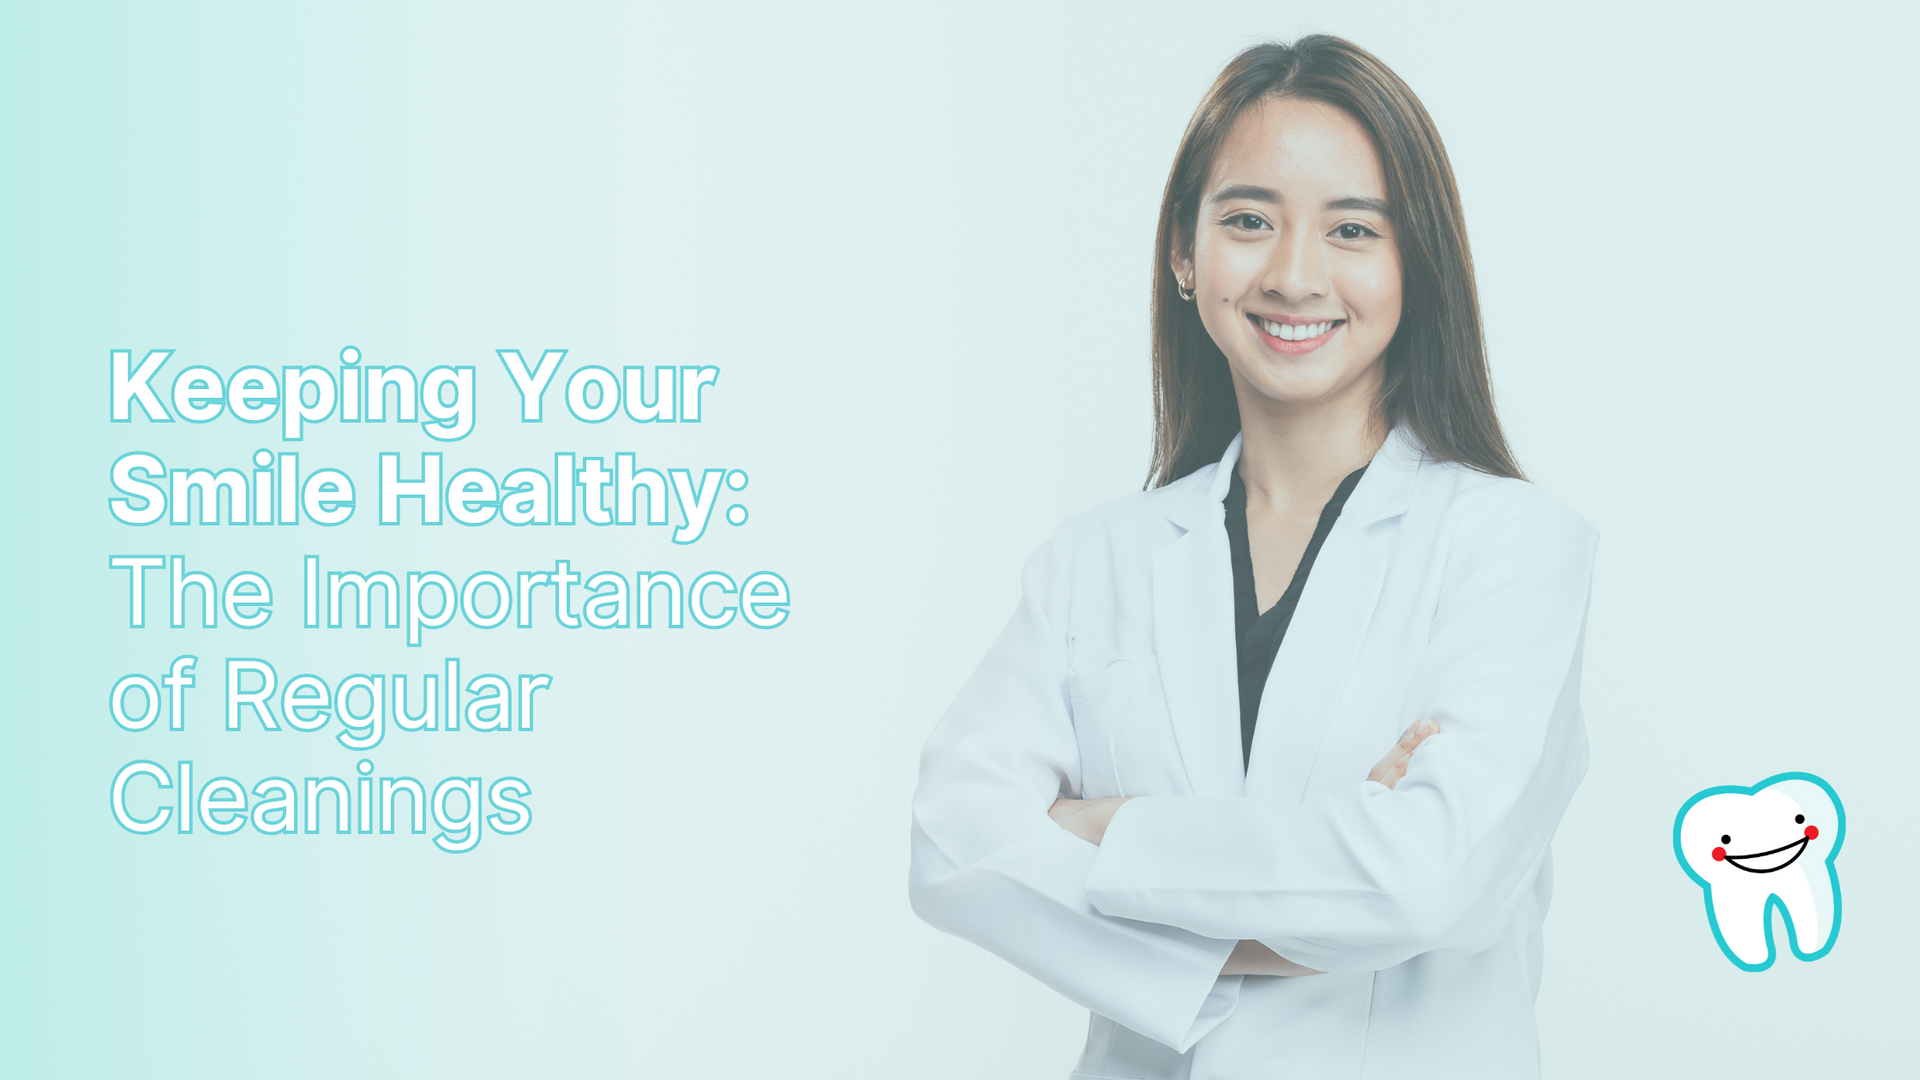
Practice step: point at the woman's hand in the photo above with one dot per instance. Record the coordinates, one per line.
(1085, 818)
(1253, 958)
(1394, 765)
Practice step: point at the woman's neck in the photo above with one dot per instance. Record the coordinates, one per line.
(1295, 453)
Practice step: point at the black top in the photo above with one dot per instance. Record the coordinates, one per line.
(1258, 633)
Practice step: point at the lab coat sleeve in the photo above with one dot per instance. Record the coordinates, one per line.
(1363, 877)
(990, 866)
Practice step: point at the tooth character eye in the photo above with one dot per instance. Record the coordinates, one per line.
(1726, 839)
(1799, 819)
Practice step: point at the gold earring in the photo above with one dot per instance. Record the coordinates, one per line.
(1184, 288)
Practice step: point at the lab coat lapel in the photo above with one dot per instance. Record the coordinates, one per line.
(1329, 627)
(1193, 636)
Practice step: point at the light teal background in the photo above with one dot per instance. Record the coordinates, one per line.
(916, 242)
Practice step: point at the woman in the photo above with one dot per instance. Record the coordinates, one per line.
(1150, 796)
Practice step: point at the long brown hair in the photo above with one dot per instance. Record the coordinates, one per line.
(1436, 367)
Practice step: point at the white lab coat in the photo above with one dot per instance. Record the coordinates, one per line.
(1441, 592)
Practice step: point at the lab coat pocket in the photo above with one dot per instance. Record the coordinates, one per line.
(1126, 740)
(1099, 700)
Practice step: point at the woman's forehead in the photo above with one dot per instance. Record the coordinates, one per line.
(1310, 147)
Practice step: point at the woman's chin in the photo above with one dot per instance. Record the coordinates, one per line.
(1299, 382)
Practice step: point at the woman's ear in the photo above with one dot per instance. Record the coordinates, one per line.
(1182, 261)
(1182, 267)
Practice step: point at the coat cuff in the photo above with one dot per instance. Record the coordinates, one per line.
(1219, 1005)
(1027, 904)
(1130, 875)
(1145, 871)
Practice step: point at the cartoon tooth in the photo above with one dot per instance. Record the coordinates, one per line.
(1756, 848)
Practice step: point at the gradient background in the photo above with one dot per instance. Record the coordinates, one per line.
(917, 244)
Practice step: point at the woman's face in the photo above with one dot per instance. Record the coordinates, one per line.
(1293, 262)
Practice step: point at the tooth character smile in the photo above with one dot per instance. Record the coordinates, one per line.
(1769, 846)
(1766, 862)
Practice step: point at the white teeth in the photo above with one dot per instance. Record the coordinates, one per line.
(1291, 332)
(1750, 848)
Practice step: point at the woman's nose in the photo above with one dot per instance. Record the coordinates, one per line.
(1296, 270)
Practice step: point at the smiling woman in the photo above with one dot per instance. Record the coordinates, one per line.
(1374, 208)
(1303, 261)
(1264, 770)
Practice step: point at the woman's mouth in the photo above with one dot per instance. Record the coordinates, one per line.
(1294, 337)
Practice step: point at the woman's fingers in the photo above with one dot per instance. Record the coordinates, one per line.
(1085, 818)
(1393, 766)
(1411, 739)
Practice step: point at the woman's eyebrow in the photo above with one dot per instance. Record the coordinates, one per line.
(1245, 191)
(1260, 194)
(1354, 202)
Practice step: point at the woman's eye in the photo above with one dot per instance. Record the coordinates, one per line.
(1245, 221)
(1353, 231)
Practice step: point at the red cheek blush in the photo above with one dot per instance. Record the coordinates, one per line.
(1813, 832)
(1719, 854)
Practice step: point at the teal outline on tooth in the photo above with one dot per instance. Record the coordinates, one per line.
(1772, 901)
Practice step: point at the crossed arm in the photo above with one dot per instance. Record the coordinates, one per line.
(1088, 818)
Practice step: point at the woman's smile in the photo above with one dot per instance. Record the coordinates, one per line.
(1294, 334)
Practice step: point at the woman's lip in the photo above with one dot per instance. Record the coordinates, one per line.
(1295, 320)
(1295, 348)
